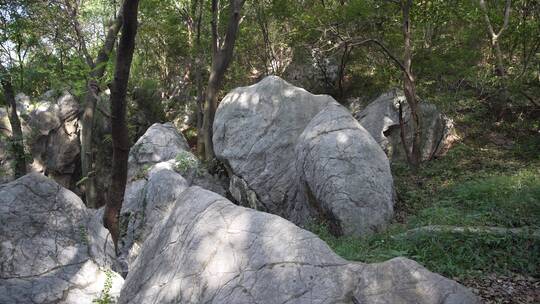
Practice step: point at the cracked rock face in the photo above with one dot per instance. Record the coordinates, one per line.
(211, 251)
(153, 188)
(381, 119)
(51, 131)
(276, 137)
(147, 201)
(344, 172)
(161, 142)
(51, 248)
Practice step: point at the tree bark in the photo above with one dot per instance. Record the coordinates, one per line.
(498, 104)
(409, 86)
(499, 65)
(222, 53)
(199, 80)
(17, 141)
(87, 119)
(120, 138)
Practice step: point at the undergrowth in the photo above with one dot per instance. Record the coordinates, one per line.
(478, 183)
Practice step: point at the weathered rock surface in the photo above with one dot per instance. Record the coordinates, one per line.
(345, 174)
(51, 131)
(51, 248)
(211, 251)
(152, 188)
(161, 142)
(381, 119)
(256, 133)
(316, 73)
(146, 202)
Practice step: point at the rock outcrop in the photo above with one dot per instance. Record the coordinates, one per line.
(51, 132)
(276, 138)
(52, 249)
(161, 142)
(161, 168)
(209, 250)
(381, 119)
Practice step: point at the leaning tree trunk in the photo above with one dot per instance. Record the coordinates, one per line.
(120, 138)
(17, 141)
(88, 116)
(409, 88)
(221, 58)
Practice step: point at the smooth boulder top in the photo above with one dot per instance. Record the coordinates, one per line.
(258, 135)
(161, 142)
(52, 249)
(211, 251)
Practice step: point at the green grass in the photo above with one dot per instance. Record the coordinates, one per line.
(475, 184)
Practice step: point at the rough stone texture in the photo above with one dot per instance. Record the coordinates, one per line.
(51, 132)
(381, 119)
(51, 249)
(256, 130)
(212, 251)
(55, 144)
(346, 175)
(152, 189)
(146, 202)
(161, 142)
(316, 73)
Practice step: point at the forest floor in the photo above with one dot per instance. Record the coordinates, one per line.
(490, 179)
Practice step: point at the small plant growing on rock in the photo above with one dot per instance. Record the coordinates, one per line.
(84, 234)
(106, 297)
(142, 172)
(186, 161)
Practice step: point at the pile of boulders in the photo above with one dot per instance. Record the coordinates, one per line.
(182, 241)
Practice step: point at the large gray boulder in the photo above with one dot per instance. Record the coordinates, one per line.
(345, 175)
(381, 119)
(52, 250)
(211, 251)
(274, 138)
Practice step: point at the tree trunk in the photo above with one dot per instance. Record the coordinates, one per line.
(17, 141)
(409, 86)
(499, 61)
(498, 104)
(120, 138)
(198, 53)
(87, 119)
(221, 58)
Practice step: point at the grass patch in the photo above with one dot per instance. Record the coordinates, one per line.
(453, 255)
(475, 184)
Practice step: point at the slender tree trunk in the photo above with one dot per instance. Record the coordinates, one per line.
(120, 138)
(222, 53)
(409, 86)
(199, 81)
(499, 104)
(499, 61)
(16, 130)
(88, 116)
